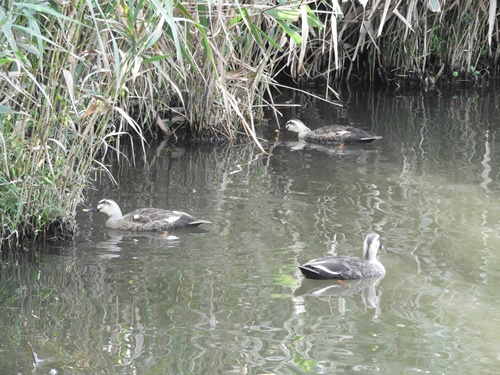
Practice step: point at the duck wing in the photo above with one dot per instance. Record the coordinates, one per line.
(160, 219)
(178, 219)
(147, 215)
(329, 134)
(355, 135)
(326, 134)
(342, 268)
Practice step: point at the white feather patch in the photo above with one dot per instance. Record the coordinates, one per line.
(172, 219)
(325, 269)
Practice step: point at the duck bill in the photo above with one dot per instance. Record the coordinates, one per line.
(92, 209)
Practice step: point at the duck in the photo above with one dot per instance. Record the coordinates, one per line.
(347, 268)
(145, 219)
(330, 134)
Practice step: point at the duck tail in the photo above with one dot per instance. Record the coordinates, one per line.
(309, 272)
(199, 222)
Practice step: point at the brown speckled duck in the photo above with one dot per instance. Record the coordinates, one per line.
(330, 134)
(145, 219)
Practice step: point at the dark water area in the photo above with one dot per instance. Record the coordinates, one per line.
(228, 298)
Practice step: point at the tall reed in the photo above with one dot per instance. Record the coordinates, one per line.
(398, 41)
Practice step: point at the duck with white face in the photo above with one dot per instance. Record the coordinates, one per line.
(145, 219)
(334, 134)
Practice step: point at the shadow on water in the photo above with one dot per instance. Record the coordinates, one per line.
(230, 299)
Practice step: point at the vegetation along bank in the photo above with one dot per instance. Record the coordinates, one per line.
(80, 78)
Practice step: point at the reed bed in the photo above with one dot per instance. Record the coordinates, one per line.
(80, 78)
(406, 42)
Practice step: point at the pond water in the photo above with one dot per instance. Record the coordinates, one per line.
(228, 298)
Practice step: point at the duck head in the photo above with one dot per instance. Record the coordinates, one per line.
(297, 126)
(108, 207)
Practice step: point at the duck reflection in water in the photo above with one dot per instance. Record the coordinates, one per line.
(339, 288)
(115, 244)
(331, 149)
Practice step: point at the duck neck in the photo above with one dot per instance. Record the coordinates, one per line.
(370, 253)
(304, 131)
(116, 214)
(113, 223)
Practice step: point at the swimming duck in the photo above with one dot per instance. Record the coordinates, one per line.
(330, 134)
(145, 219)
(347, 268)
